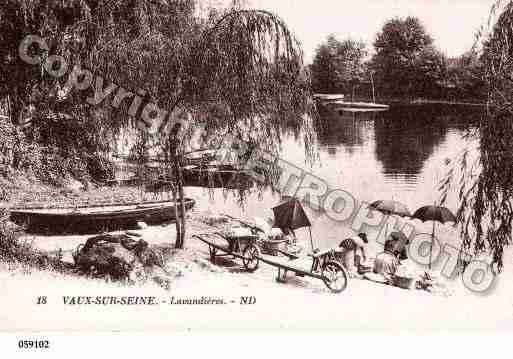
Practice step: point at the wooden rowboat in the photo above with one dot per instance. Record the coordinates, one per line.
(91, 219)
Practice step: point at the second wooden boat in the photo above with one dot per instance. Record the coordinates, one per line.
(92, 219)
(355, 106)
(217, 176)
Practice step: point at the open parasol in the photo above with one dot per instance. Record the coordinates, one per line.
(291, 215)
(435, 214)
(390, 208)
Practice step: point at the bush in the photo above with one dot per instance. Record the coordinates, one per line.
(13, 250)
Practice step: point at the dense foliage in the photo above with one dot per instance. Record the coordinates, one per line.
(465, 78)
(338, 66)
(225, 71)
(406, 63)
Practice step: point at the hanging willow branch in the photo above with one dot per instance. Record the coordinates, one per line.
(485, 184)
(238, 72)
(249, 64)
(245, 72)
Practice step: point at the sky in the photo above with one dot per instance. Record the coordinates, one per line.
(452, 23)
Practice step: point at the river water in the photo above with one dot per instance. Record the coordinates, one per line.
(400, 154)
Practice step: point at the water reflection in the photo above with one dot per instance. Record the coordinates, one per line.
(403, 138)
(336, 129)
(389, 155)
(406, 139)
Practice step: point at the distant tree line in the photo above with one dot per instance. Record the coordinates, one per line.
(339, 66)
(405, 65)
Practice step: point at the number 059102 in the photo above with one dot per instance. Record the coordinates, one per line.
(33, 344)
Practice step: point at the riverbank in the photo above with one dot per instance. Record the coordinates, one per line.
(300, 303)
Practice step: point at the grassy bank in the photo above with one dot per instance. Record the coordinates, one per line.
(18, 251)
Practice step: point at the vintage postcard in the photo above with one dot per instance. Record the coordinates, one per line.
(185, 165)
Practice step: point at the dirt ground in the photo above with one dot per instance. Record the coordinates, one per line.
(300, 303)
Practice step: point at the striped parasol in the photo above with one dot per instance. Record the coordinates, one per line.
(390, 207)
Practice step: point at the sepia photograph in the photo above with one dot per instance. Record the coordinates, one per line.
(255, 165)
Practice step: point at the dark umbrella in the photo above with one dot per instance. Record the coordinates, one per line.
(435, 214)
(291, 215)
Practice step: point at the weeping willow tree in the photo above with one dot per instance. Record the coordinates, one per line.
(486, 180)
(235, 73)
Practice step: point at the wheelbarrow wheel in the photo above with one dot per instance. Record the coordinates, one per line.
(251, 257)
(334, 276)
